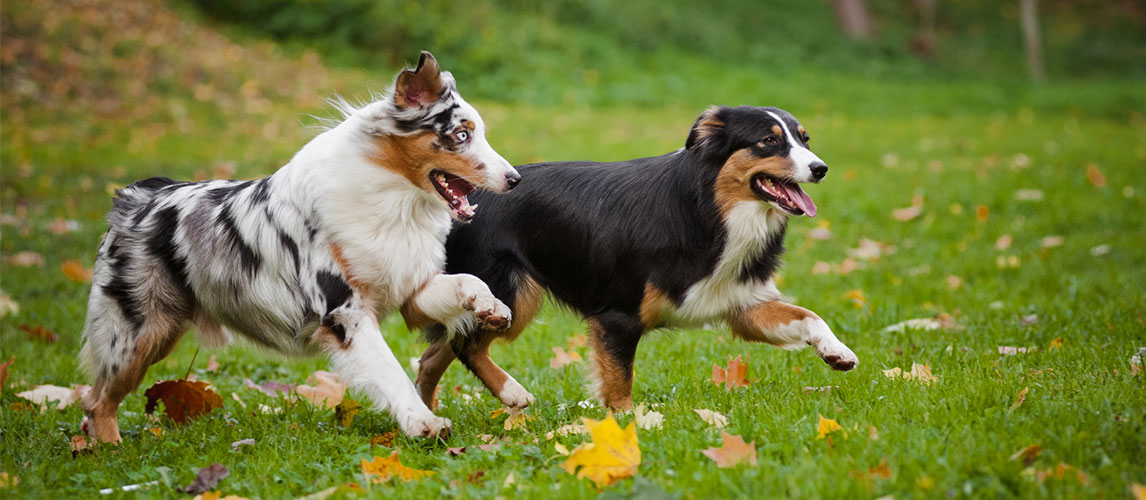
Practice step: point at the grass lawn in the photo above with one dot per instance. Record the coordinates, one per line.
(1059, 181)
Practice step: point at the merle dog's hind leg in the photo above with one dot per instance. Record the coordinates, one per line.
(788, 326)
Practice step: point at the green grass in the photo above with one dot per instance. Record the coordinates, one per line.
(959, 145)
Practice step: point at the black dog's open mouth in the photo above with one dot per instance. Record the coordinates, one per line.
(454, 190)
(787, 195)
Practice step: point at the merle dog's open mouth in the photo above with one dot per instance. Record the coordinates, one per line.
(784, 194)
(454, 190)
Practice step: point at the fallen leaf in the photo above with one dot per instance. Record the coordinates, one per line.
(1029, 454)
(1029, 320)
(712, 418)
(1094, 175)
(207, 479)
(872, 433)
(857, 298)
(821, 232)
(1007, 350)
(8, 481)
(516, 419)
(7, 305)
(1019, 401)
(577, 341)
(733, 451)
(920, 373)
(1138, 491)
(76, 271)
(382, 469)
(324, 389)
(881, 471)
(1052, 241)
(562, 358)
(79, 445)
(1060, 471)
(869, 249)
(475, 476)
(235, 396)
(40, 333)
(212, 364)
(566, 430)
(1004, 242)
(61, 226)
(182, 399)
(348, 490)
(26, 259)
(911, 212)
(938, 322)
(982, 213)
(826, 426)
(825, 388)
(42, 394)
(242, 442)
(1100, 250)
(648, 419)
(613, 453)
(345, 411)
(821, 267)
(732, 377)
(272, 389)
(453, 452)
(954, 282)
(385, 439)
(1029, 195)
(1055, 343)
(4, 372)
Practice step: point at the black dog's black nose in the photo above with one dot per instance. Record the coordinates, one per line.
(512, 178)
(819, 170)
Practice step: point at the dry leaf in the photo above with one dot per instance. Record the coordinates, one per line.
(857, 298)
(272, 389)
(42, 394)
(712, 418)
(1004, 242)
(453, 452)
(954, 282)
(648, 419)
(1029, 195)
(1060, 471)
(881, 471)
(324, 389)
(1028, 454)
(1019, 401)
(7, 305)
(385, 439)
(921, 373)
(613, 453)
(235, 446)
(4, 372)
(79, 445)
(7, 481)
(870, 250)
(345, 411)
(821, 267)
(1055, 343)
(182, 399)
(40, 333)
(1052, 241)
(561, 449)
(1094, 175)
(872, 433)
(1007, 350)
(381, 469)
(911, 212)
(26, 259)
(732, 377)
(76, 271)
(566, 430)
(982, 213)
(1029, 320)
(212, 364)
(733, 451)
(820, 232)
(562, 358)
(516, 419)
(923, 324)
(826, 426)
(1138, 490)
(207, 479)
(577, 341)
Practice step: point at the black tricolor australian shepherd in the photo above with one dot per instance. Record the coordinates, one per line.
(683, 239)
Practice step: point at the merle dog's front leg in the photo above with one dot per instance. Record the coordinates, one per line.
(791, 327)
(456, 301)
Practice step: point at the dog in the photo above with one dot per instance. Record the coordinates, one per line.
(685, 239)
(306, 260)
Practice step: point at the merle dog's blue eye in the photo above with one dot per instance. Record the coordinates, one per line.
(462, 136)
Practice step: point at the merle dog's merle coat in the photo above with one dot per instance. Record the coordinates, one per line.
(685, 238)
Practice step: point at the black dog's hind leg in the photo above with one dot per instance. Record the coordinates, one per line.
(614, 337)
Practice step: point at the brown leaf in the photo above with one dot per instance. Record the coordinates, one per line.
(26, 259)
(182, 400)
(207, 479)
(881, 471)
(4, 372)
(732, 377)
(1019, 401)
(733, 451)
(40, 333)
(385, 439)
(79, 445)
(345, 411)
(325, 389)
(453, 452)
(982, 213)
(562, 358)
(76, 271)
(1028, 454)
(1094, 175)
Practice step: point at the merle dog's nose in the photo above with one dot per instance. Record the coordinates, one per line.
(512, 178)
(819, 170)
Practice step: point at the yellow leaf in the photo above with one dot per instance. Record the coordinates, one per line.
(561, 449)
(381, 469)
(826, 426)
(1056, 343)
(7, 480)
(612, 455)
(856, 297)
(516, 420)
(1138, 490)
(345, 411)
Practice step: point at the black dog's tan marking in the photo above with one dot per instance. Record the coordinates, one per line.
(687, 238)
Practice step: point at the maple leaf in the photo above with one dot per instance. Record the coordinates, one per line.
(646, 419)
(207, 479)
(324, 389)
(733, 451)
(613, 453)
(40, 333)
(4, 372)
(382, 469)
(516, 418)
(732, 377)
(562, 358)
(76, 271)
(826, 426)
(345, 411)
(1028, 454)
(79, 445)
(385, 439)
(881, 471)
(42, 394)
(182, 399)
(712, 418)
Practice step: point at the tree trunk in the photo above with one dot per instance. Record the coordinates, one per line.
(853, 18)
(1029, 14)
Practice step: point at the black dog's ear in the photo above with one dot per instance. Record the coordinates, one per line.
(421, 86)
(708, 127)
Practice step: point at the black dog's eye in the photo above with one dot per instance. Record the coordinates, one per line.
(770, 141)
(462, 135)
(807, 138)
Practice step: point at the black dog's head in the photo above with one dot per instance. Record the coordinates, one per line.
(763, 156)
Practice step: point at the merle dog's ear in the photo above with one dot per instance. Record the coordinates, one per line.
(707, 128)
(421, 86)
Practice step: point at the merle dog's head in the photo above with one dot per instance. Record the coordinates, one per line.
(762, 154)
(427, 133)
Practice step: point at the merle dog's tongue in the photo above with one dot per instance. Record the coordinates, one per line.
(801, 198)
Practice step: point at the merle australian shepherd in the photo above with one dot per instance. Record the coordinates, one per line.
(306, 260)
(683, 239)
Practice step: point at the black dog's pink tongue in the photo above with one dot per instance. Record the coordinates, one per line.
(800, 198)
